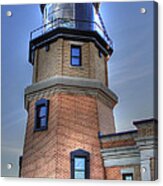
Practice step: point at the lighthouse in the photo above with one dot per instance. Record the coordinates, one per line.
(69, 102)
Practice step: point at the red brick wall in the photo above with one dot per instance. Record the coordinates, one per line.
(154, 167)
(73, 124)
(40, 149)
(119, 143)
(114, 173)
(106, 119)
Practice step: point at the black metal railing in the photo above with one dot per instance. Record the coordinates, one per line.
(71, 24)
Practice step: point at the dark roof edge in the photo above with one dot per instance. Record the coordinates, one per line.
(118, 134)
(72, 34)
(42, 7)
(145, 121)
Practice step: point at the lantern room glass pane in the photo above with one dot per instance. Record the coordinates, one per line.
(59, 15)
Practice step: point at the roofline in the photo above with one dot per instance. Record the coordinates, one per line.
(118, 134)
(96, 5)
(139, 122)
(70, 34)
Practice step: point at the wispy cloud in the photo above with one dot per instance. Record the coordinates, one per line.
(133, 77)
(13, 123)
(11, 150)
(14, 114)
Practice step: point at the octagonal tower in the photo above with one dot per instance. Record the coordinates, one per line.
(69, 103)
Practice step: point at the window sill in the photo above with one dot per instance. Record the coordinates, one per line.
(40, 129)
(76, 67)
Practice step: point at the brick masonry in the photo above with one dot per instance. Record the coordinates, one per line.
(76, 114)
(132, 150)
(119, 143)
(57, 62)
(114, 173)
(153, 166)
(149, 129)
(106, 119)
(74, 119)
(73, 123)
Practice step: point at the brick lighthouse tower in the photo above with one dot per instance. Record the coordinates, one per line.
(69, 103)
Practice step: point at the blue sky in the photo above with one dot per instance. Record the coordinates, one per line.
(130, 69)
(131, 66)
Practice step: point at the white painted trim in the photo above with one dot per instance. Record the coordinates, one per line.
(116, 151)
(127, 170)
(122, 161)
(76, 43)
(145, 176)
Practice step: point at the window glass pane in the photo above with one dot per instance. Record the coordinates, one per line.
(43, 122)
(41, 114)
(79, 163)
(42, 111)
(75, 51)
(127, 177)
(75, 61)
(79, 175)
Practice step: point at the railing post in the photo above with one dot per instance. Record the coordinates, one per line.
(69, 22)
(31, 36)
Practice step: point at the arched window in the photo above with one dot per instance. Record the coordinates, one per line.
(41, 114)
(80, 164)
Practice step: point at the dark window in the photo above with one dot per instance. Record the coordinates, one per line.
(75, 55)
(100, 134)
(128, 176)
(41, 114)
(32, 55)
(47, 48)
(100, 53)
(80, 164)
